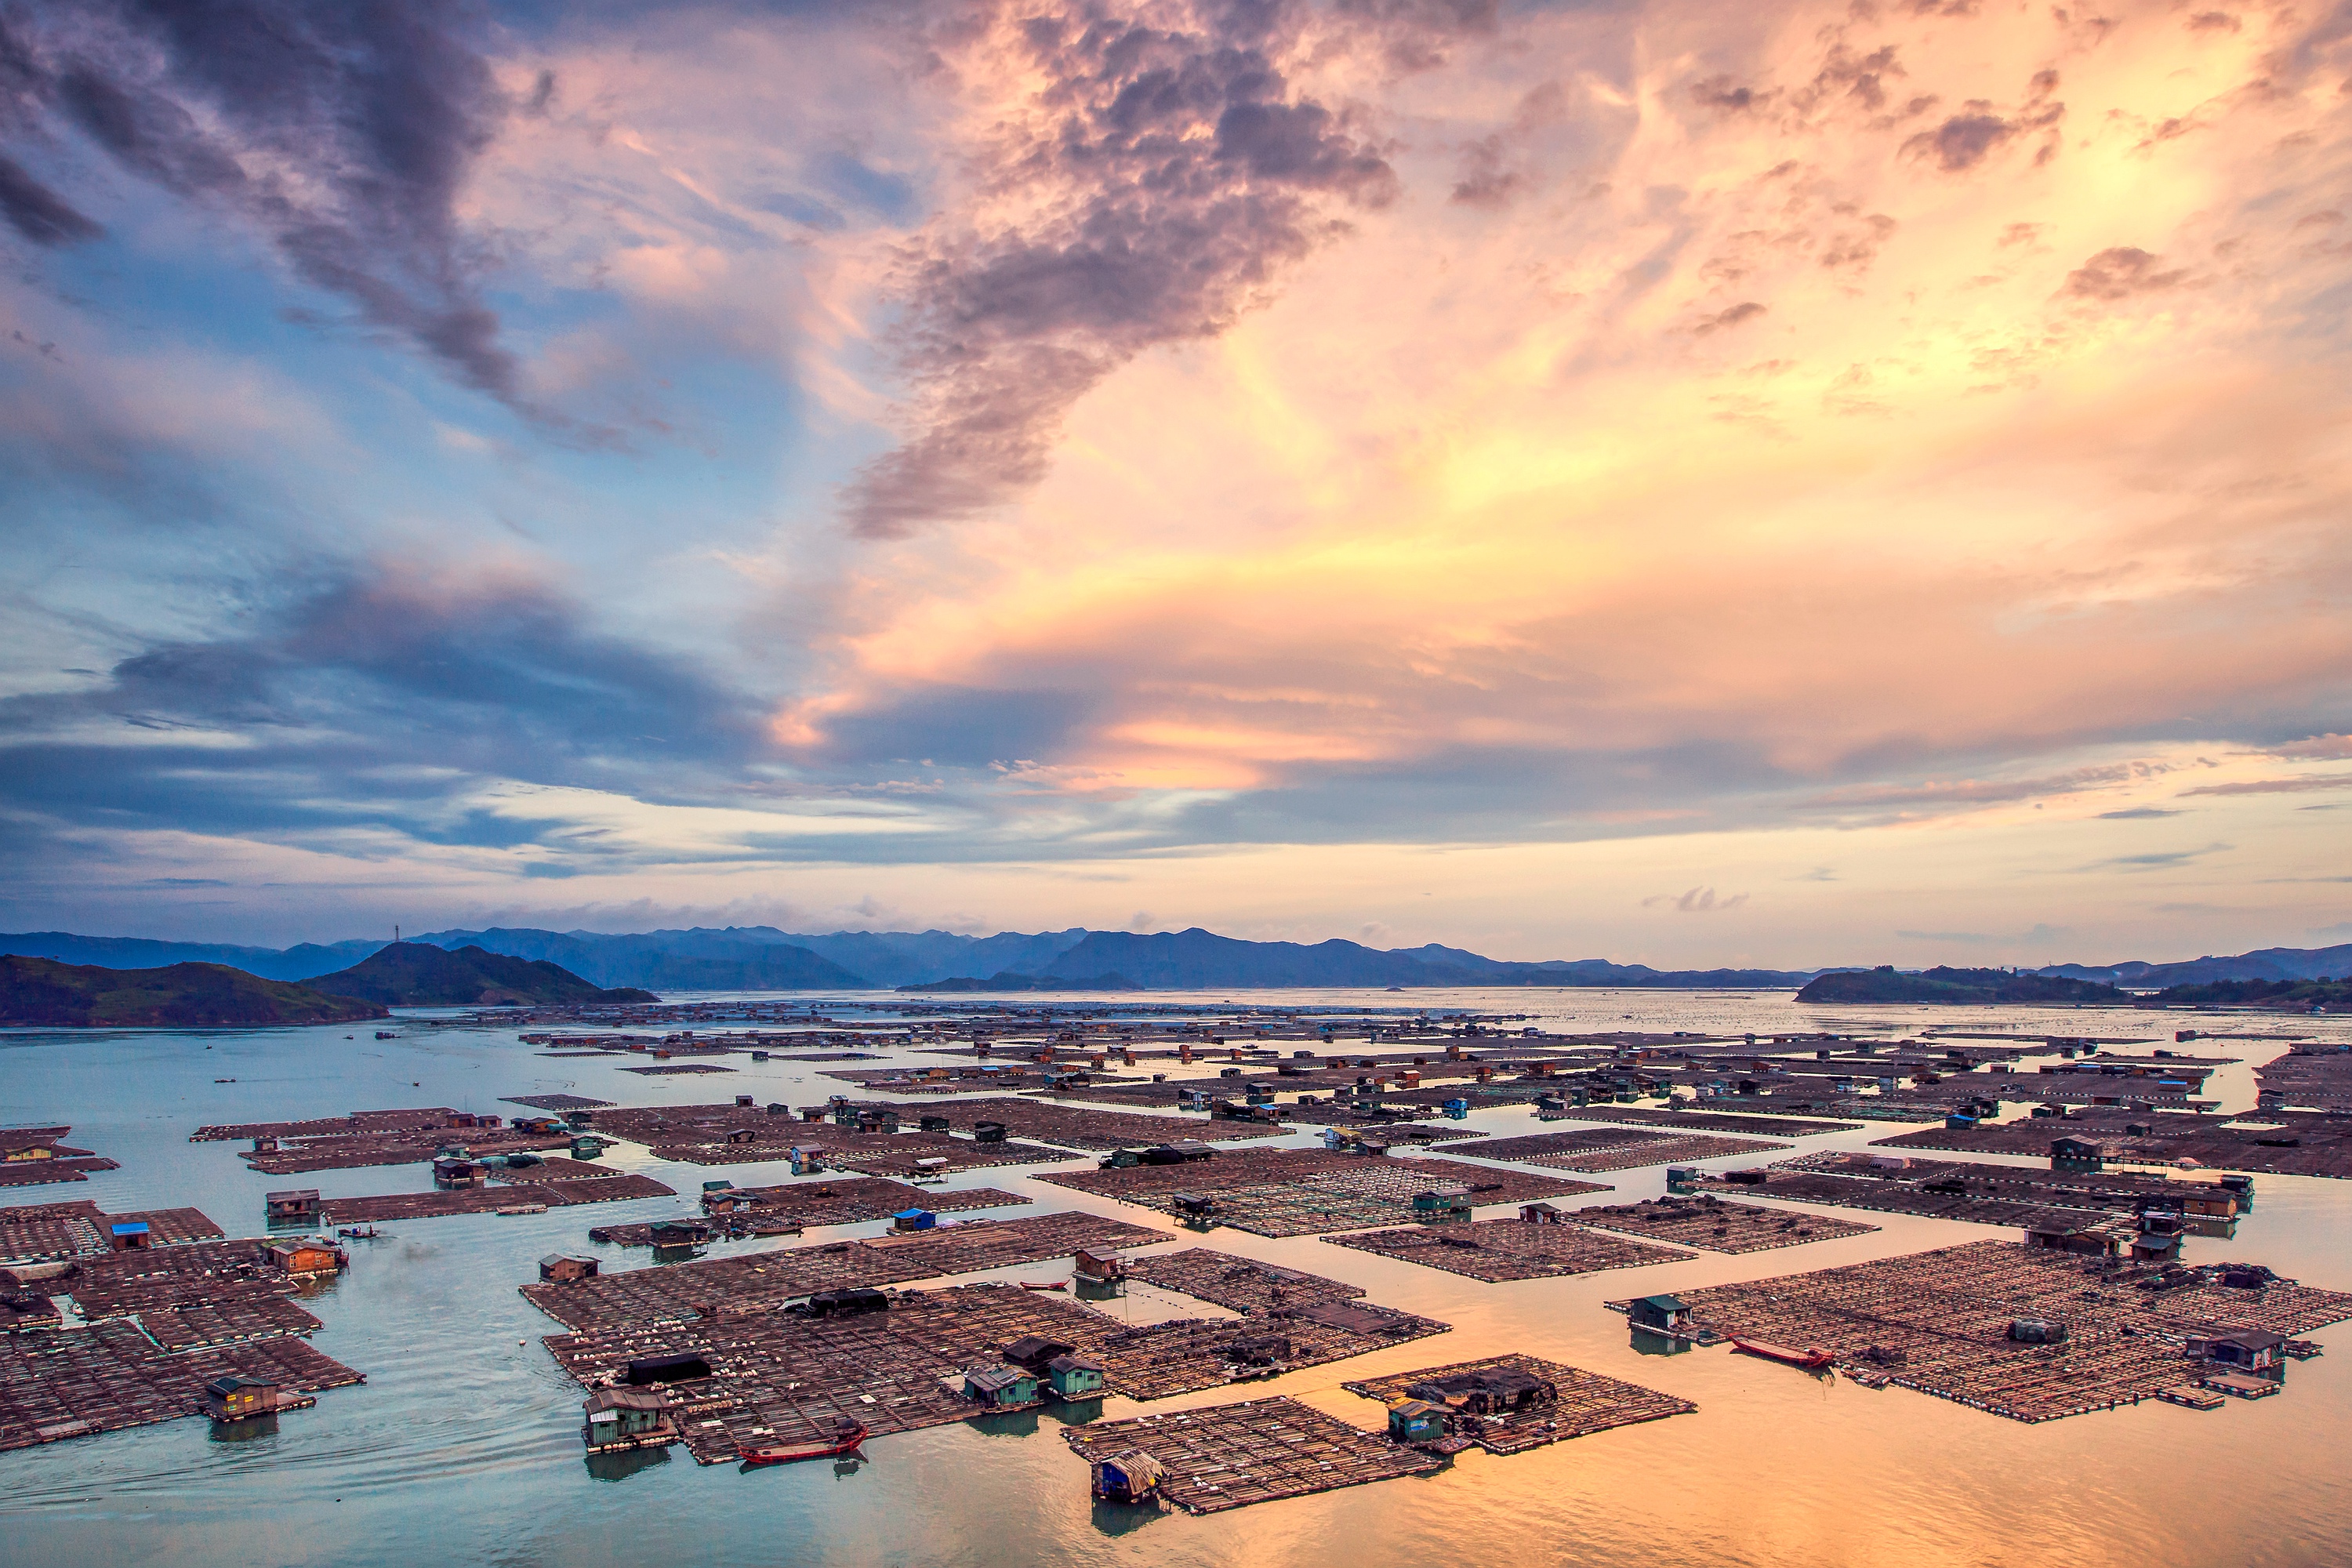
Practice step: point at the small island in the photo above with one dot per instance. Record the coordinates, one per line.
(1887, 983)
(39, 992)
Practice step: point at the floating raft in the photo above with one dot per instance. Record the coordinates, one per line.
(1939, 1322)
(1308, 1192)
(1713, 1226)
(836, 1200)
(1498, 1251)
(487, 1200)
(1230, 1455)
(1618, 1149)
(1583, 1403)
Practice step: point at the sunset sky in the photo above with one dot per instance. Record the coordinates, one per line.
(1683, 483)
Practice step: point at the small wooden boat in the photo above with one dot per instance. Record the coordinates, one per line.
(359, 1232)
(1812, 1358)
(1045, 1283)
(844, 1440)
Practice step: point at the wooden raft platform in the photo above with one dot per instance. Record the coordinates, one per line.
(1939, 1322)
(1080, 1127)
(163, 1321)
(1765, 1123)
(1713, 1226)
(1584, 1402)
(816, 1200)
(760, 1281)
(1230, 1455)
(489, 1200)
(1617, 1149)
(1243, 1284)
(48, 1232)
(1307, 1191)
(1499, 1251)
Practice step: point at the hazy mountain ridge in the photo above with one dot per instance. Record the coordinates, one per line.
(764, 958)
(2264, 963)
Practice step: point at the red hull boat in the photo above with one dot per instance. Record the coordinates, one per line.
(1812, 1358)
(844, 1441)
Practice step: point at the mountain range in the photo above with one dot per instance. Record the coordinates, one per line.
(763, 958)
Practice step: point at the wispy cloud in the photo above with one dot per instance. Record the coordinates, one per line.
(1694, 901)
(2303, 785)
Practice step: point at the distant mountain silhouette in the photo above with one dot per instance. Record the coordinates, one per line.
(763, 958)
(418, 974)
(2264, 963)
(39, 992)
(742, 959)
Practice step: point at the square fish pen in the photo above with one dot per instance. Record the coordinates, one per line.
(1578, 1404)
(1498, 1250)
(1230, 1455)
(1948, 1322)
(1713, 1226)
(1613, 1148)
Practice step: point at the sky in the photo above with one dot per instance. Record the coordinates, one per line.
(1683, 483)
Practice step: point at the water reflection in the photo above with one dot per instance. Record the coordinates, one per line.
(1649, 1342)
(465, 1433)
(248, 1430)
(1116, 1519)
(621, 1466)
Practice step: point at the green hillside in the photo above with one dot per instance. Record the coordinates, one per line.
(42, 992)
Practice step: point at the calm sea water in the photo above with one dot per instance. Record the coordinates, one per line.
(463, 1446)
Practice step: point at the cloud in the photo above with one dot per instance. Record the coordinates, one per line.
(1157, 183)
(388, 697)
(2276, 787)
(1694, 901)
(2158, 860)
(2119, 273)
(2137, 813)
(1732, 316)
(1967, 792)
(37, 213)
(342, 133)
(2319, 748)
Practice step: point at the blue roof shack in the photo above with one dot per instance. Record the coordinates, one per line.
(130, 1235)
(1456, 1110)
(1001, 1387)
(914, 1219)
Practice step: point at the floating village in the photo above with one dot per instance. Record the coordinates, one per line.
(708, 1320)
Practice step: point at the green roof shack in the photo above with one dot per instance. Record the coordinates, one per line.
(1001, 1387)
(1073, 1376)
(1659, 1314)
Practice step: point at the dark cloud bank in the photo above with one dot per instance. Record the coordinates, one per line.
(340, 131)
(1179, 172)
